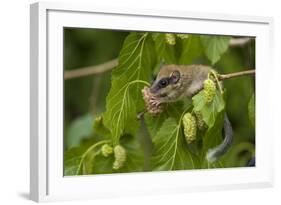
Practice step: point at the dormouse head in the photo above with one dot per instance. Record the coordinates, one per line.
(166, 87)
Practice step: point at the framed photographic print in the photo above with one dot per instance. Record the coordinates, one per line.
(129, 101)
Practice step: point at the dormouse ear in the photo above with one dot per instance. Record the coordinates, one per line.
(175, 76)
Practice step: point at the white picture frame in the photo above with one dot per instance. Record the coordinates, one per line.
(47, 182)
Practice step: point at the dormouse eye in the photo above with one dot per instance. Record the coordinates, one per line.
(163, 82)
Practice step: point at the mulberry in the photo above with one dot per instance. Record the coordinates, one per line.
(170, 38)
(120, 157)
(200, 122)
(153, 106)
(190, 127)
(209, 90)
(106, 150)
(182, 36)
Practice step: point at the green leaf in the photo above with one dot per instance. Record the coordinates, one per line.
(124, 99)
(165, 52)
(72, 159)
(77, 158)
(153, 123)
(211, 110)
(79, 129)
(213, 136)
(192, 50)
(135, 155)
(102, 164)
(251, 110)
(170, 151)
(214, 46)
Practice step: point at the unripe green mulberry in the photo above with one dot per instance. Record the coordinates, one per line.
(190, 127)
(106, 150)
(120, 157)
(200, 122)
(209, 90)
(182, 36)
(170, 38)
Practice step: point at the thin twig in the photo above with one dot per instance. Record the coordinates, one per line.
(236, 74)
(91, 70)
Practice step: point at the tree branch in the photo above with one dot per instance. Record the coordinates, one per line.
(239, 41)
(236, 74)
(91, 70)
(98, 69)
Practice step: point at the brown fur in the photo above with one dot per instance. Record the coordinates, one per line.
(191, 81)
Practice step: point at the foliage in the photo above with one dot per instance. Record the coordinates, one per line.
(124, 98)
(118, 126)
(170, 151)
(209, 111)
(251, 108)
(214, 46)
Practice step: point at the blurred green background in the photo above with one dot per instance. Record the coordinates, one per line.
(84, 97)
